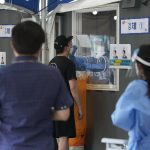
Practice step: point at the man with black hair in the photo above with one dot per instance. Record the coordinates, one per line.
(31, 94)
(66, 129)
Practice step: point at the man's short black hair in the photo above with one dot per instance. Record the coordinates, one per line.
(27, 37)
(60, 43)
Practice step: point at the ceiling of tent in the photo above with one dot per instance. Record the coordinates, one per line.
(52, 4)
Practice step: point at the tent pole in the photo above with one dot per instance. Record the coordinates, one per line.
(43, 23)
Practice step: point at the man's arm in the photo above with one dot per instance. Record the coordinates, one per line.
(61, 115)
(74, 92)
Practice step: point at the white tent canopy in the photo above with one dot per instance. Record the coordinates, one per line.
(83, 4)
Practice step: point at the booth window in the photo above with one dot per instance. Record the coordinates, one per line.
(93, 35)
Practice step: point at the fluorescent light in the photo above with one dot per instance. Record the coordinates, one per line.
(94, 12)
(115, 17)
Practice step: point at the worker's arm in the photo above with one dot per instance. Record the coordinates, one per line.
(74, 92)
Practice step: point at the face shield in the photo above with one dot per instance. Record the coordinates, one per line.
(131, 73)
(135, 57)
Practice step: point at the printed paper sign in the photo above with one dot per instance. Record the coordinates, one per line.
(120, 54)
(5, 30)
(130, 26)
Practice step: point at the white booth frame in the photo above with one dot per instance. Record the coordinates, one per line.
(77, 29)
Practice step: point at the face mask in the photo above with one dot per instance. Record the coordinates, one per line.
(73, 50)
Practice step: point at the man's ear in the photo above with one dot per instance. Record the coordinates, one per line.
(39, 53)
(13, 49)
(65, 48)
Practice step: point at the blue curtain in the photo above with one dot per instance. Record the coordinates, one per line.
(32, 5)
(52, 4)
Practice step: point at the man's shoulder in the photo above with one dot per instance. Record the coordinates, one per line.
(70, 61)
(50, 69)
(53, 59)
(61, 60)
(3, 72)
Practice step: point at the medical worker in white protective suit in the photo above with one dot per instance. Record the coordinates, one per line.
(132, 112)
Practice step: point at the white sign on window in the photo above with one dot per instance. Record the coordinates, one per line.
(5, 30)
(130, 26)
(120, 55)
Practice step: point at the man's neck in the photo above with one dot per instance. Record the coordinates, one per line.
(63, 54)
